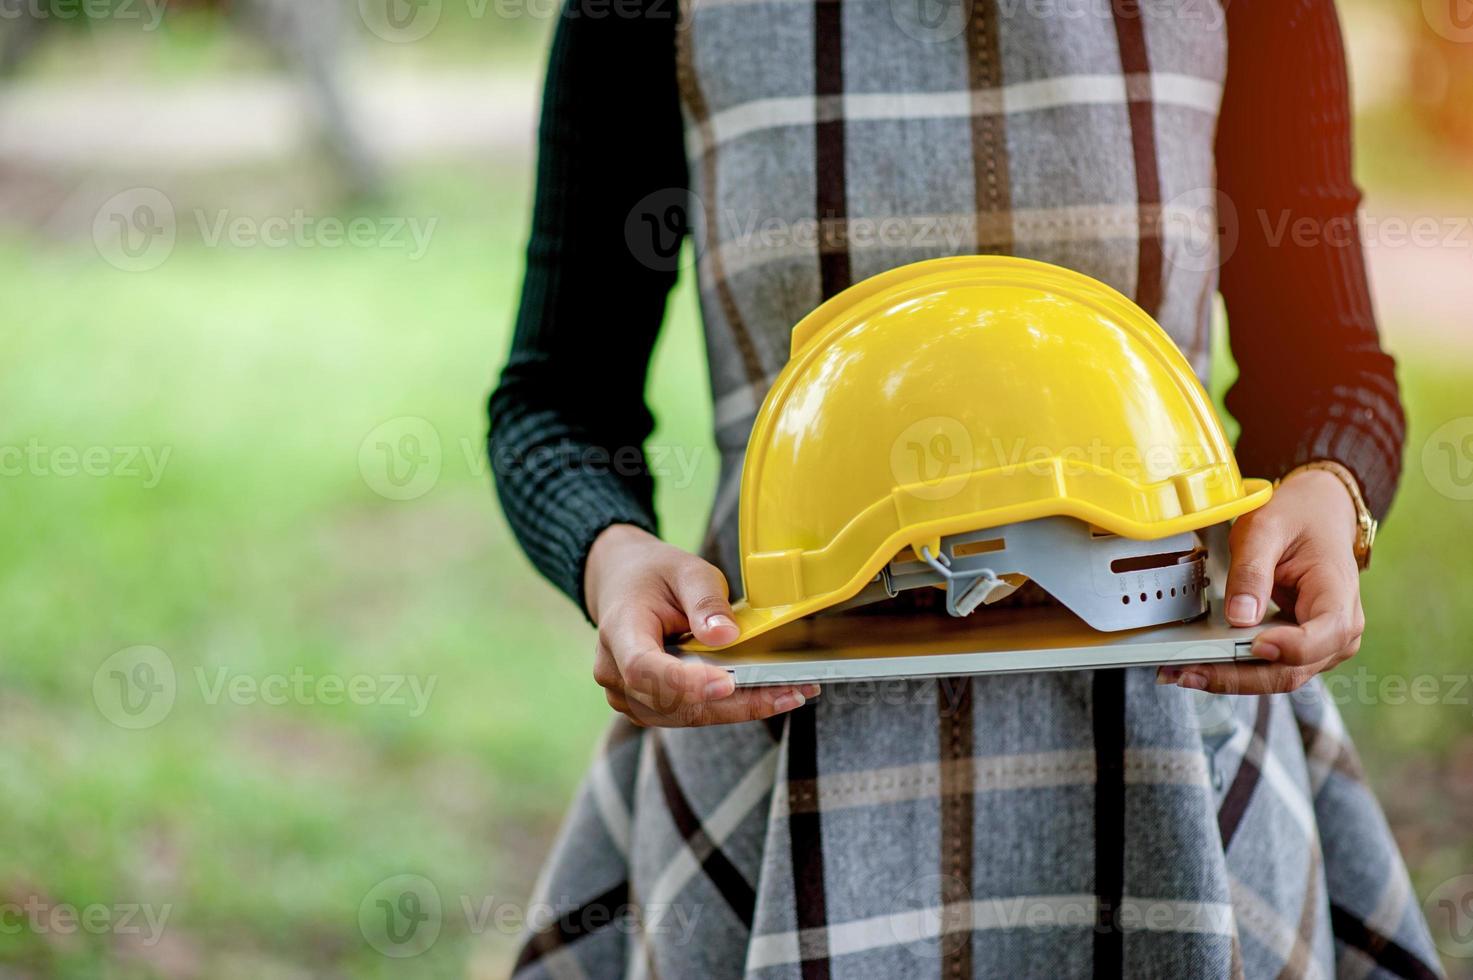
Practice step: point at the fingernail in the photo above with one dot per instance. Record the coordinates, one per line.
(1265, 651)
(810, 690)
(1167, 675)
(1192, 682)
(789, 701)
(1243, 608)
(717, 621)
(720, 688)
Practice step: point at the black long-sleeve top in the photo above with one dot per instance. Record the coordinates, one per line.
(569, 416)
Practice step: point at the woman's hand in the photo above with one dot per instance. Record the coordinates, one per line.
(1299, 548)
(639, 591)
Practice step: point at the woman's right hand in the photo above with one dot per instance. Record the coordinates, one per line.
(639, 591)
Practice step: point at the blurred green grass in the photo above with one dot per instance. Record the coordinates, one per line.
(265, 550)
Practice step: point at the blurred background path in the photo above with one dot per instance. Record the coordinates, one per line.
(405, 115)
(55, 132)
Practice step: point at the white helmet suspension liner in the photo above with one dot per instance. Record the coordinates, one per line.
(1110, 582)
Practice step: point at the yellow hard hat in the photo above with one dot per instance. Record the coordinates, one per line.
(967, 393)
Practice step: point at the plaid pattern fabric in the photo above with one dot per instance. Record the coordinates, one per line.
(1048, 825)
(1042, 826)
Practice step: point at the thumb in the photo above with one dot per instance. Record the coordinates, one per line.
(1254, 545)
(701, 591)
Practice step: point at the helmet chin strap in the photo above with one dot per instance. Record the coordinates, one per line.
(1110, 582)
(966, 591)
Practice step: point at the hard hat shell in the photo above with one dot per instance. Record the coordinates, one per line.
(964, 393)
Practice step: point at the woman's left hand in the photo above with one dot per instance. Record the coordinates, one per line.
(1299, 548)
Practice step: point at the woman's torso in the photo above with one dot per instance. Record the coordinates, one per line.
(831, 141)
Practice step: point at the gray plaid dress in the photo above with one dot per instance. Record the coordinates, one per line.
(1088, 823)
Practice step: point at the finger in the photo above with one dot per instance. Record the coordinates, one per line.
(750, 704)
(1237, 678)
(702, 593)
(649, 674)
(620, 703)
(605, 671)
(1329, 620)
(1254, 545)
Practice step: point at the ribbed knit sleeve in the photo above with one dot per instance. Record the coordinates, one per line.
(1314, 382)
(568, 418)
